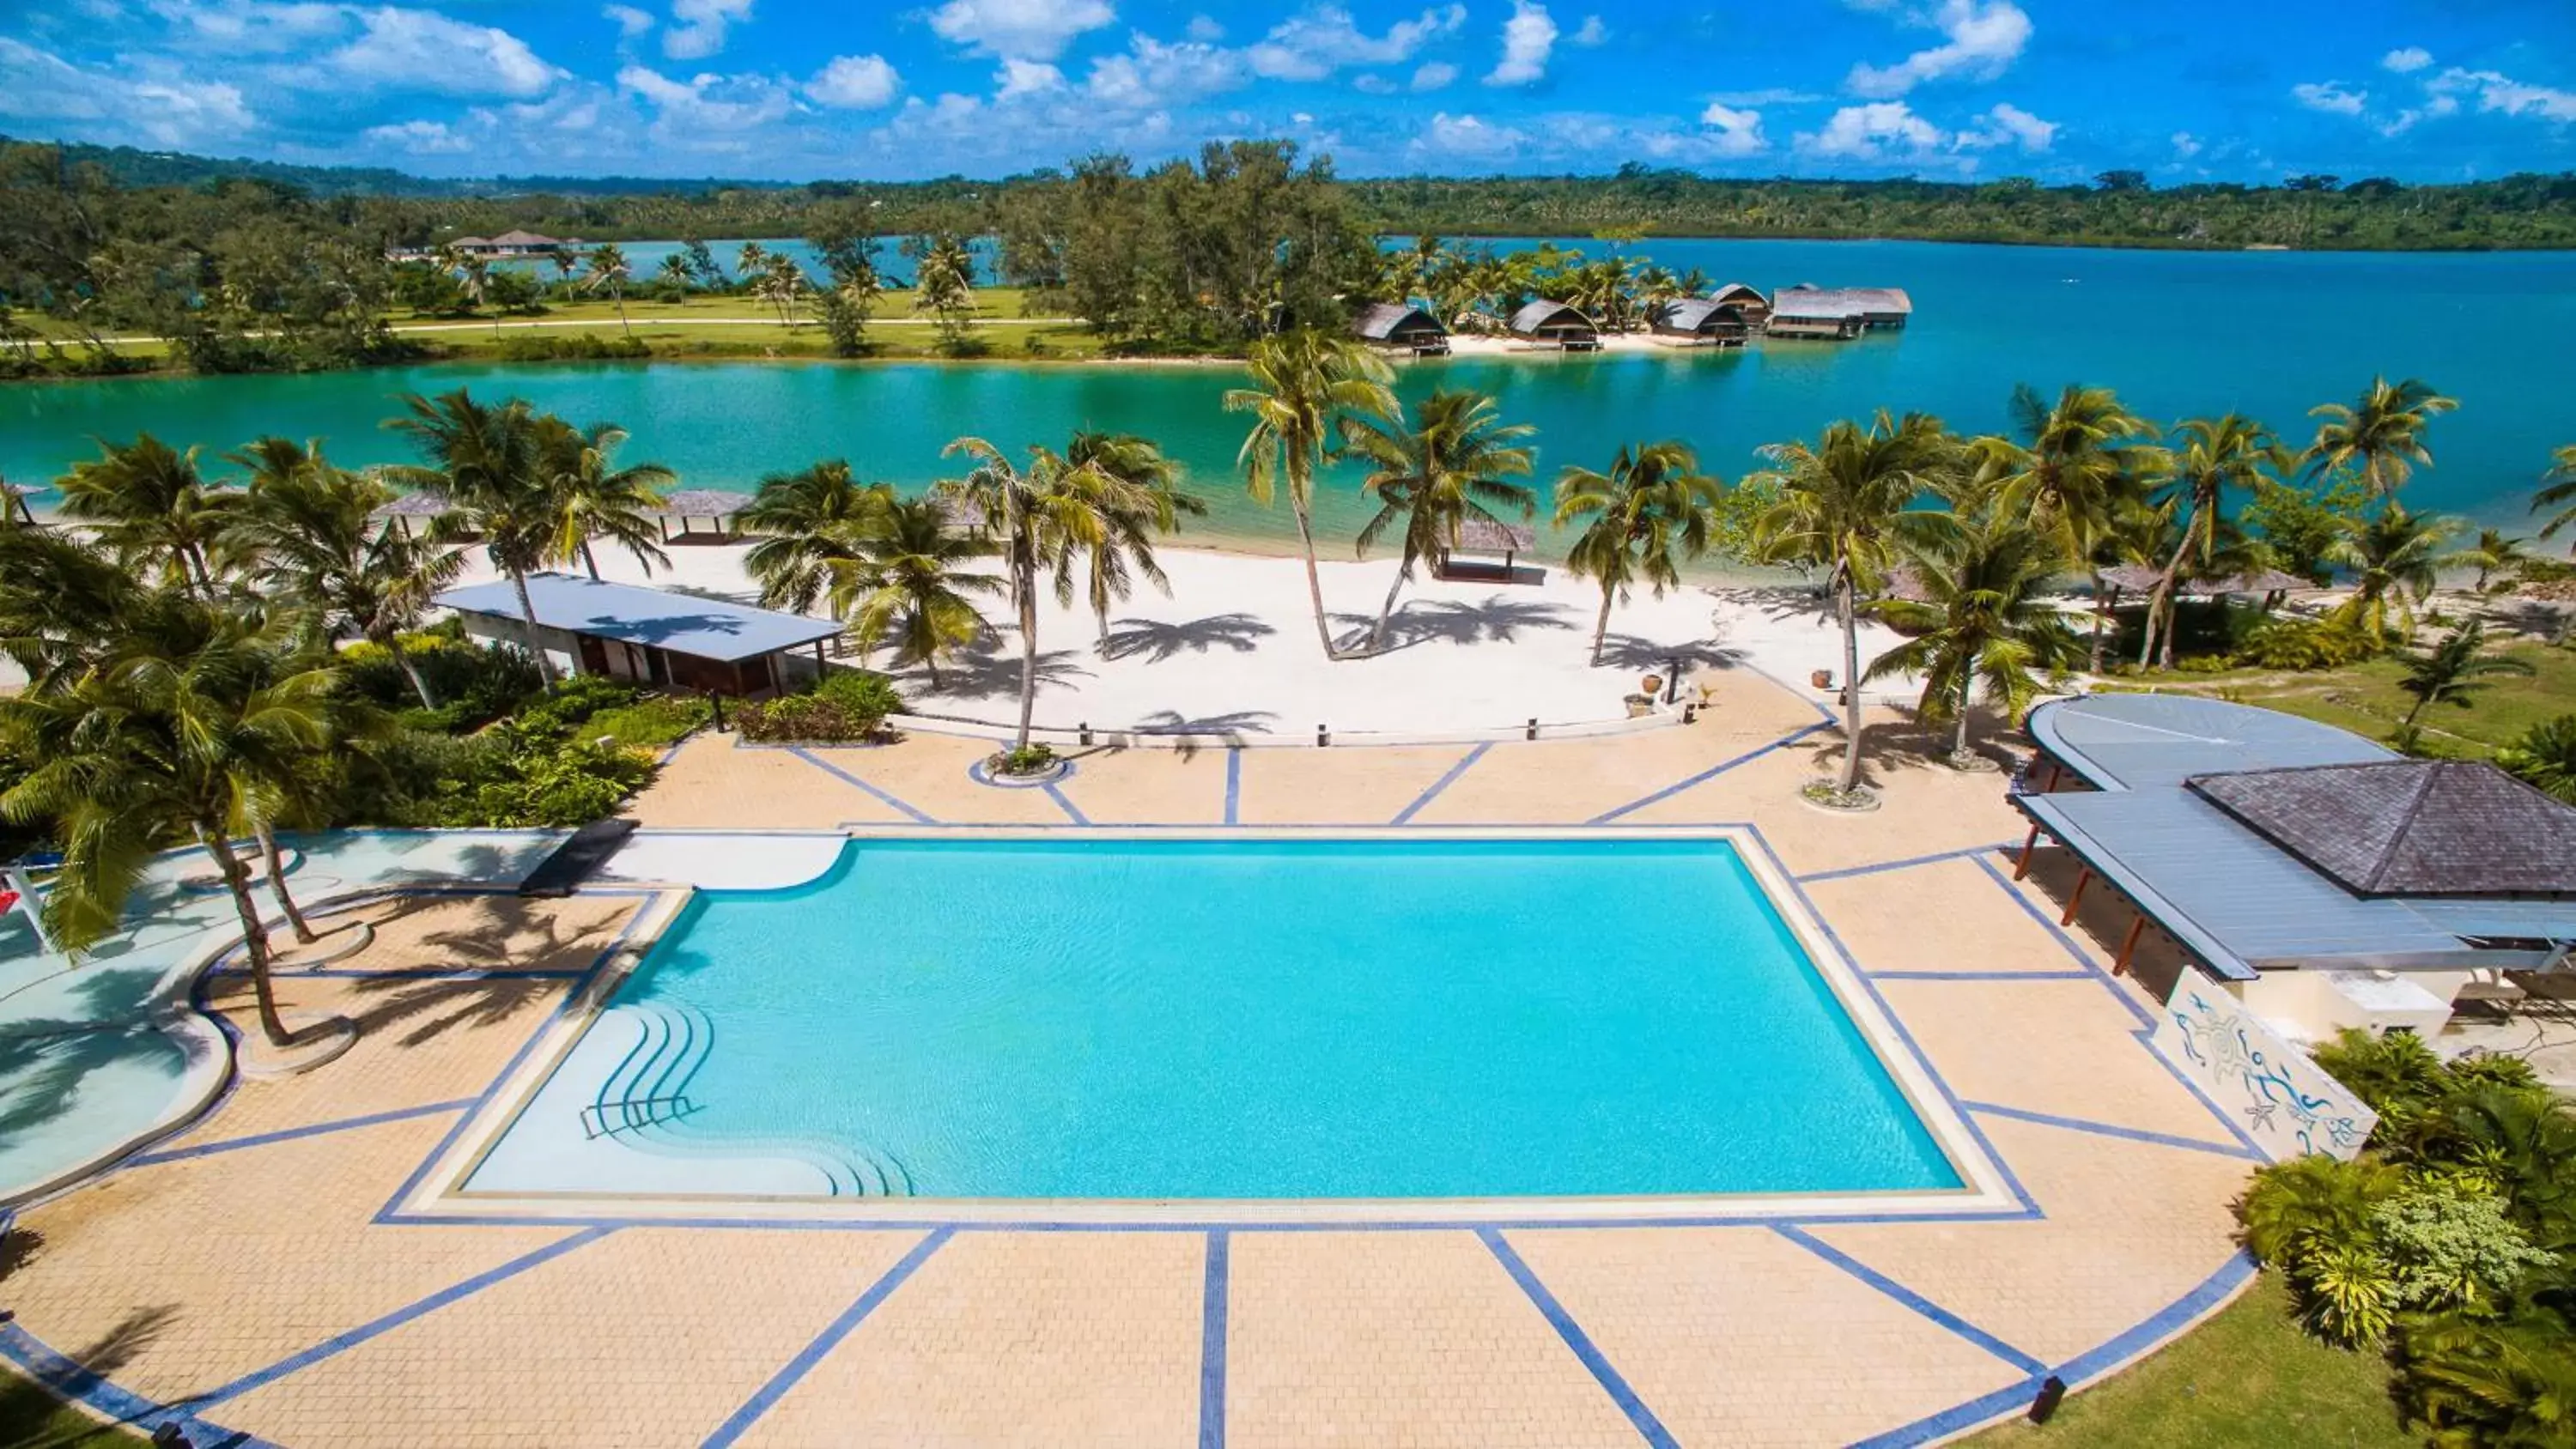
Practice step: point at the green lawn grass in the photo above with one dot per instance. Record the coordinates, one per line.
(2365, 699)
(31, 1418)
(2246, 1379)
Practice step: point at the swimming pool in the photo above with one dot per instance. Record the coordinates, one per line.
(1097, 1016)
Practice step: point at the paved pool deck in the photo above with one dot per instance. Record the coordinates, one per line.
(257, 1275)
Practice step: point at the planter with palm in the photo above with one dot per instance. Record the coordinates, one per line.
(1431, 474)
(1843, 505)
(1650, 514)
(1033, 515)
(1302, 382)
(1982, 621)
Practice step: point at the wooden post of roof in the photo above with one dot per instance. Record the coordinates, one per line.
(2129, 945)
(2076, 901)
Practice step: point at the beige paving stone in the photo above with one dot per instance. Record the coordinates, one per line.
(1739, 1336)
(2130, 1228)
(1344, 785)
(1037, 1339)
(643, 1337)
(202, 1270)
(1571, 781)
(2062, 1047)
(1149, 787)
(1945, 916)
(1417, 1339)
(714, 783)
(928, 772)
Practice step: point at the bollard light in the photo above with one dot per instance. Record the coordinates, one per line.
(2052, 1392)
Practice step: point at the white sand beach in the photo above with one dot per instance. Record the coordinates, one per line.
(1234, 650)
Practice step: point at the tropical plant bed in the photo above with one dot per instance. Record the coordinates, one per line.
(1825, 795)
(1027, 765)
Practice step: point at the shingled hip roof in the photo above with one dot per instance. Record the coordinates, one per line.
(2408, 827)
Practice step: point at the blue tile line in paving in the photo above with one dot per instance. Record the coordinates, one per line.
(795, 1369)
(1648, 1426)
(1234, 785)
(290, 1134)
(884, 798)
(1447, 778)
(1913, 1300)
(2111, 1129)
(1704, 776)
(1212, 1318)
(1908, 863)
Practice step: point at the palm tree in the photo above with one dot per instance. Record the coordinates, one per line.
(2545, 758)
(675, 273)
(2070, 467)
(1982, 620)
(906, 580)
(2558, 490)
(1302, 381)
(2502, 1378)
(1444, 468)
(146, 501)
(806, 520)
(784, 285)
(2494, 553)
(608, 268)
(1153, 506)
(751, 261)
(62, 601)
(185, 732)
(2383, 433)
(2396, 559)
(308, 533)
(2453, 671)
(1650, 514)
(1034, 514)
(594, 498)
(1843, 503)
(2216, 455)
(488, 465)
(473, 273)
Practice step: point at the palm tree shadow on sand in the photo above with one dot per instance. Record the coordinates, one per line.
(986, 672)
(1635, 652)
(1498, 619)
(1157, 641)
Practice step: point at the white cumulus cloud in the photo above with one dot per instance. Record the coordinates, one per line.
(1982, 38)
(155, 110)
(698, 27)
(2407, 60)
(1019, 29)
(2186, 145)
(630, 22)
(1325, 39)
(1434, 76)
(2503, 95)
(2008, 125)
(1019, 77)
(399, 49)
(1733, 131)
(1467, 136)
(2332, 97)
(704, 104)
(420, 138)
(1529, 37)
(854, 83)
(1866, 132)
(1153, 73)
(1593, 31)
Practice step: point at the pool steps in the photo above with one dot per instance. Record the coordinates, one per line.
(645, 1098)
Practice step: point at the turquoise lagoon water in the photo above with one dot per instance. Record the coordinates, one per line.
(1285, 1019)
(2178, 333)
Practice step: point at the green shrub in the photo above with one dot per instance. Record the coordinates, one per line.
(576, 699)
(2304, 644)
(585, 347)
(473, 684)
(650, 723)
(2452, 1247)
(846, 707)
(1026, 760)
(2545, 758)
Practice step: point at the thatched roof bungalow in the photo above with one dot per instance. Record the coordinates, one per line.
(1700, 322)
(1556, 324)
(1396, 326)
(1887, 307)
(690, 504)
(1816, 312)
(1495, 547)
(1747, 300)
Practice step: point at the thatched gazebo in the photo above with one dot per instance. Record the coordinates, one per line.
(1495, 547)
(691, 504)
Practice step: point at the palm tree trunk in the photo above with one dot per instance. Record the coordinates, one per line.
(1967, 686)
(1845, 606)
(2101, 614)
(591, 561)
(1314, 576)
(411, 670)
(2157, 604)
(275, 861)
(1028, 592)
(628, 327)
(1386, 611)
(528, 622)
(1601, 626)
(254, 936)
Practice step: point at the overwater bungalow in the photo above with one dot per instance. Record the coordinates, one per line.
(1397, 327)
(1816, 312)
(514, 244)
(1700, 322)
(1870, 307)
(1747, 300)
(1556, 324)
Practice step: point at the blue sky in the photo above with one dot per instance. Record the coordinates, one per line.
(797, 89)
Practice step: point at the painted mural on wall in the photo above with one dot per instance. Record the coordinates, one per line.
(2264, 1083)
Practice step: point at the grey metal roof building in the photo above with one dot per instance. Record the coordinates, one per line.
(650, 635)
(2258, 840)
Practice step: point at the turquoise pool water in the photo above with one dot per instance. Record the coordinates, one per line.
(1111, 1018)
